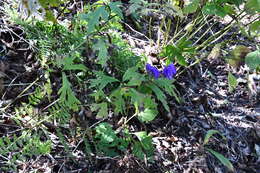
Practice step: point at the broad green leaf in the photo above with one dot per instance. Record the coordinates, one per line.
(232, 82)
(137, 150)
(209, 134)
(222, 159)
(147, 115)
(253, 59)
(214, 9)
(191, 7)
(145, 139)
(253, 6)
(101, 108)
(102, 80)
(255, 28)
(101, 48)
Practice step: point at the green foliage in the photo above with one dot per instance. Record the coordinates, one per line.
(67, 96)
(89, 55)
(219, 156)
(147, 115)
(209, 134)
(101, 47)
(232, 82)
(191, 7)
(178, 52)
(252, 6)
(253, 60)
(102, 80)
(222, 159)
(143, 148)
(101, 108)
(22, 147)
(107, 140)
(109, 143)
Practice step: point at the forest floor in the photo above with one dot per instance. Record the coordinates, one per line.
(178, 140)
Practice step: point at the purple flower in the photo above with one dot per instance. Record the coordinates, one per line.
(169, 71)
(152, 71)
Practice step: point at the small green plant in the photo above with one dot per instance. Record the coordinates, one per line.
(109, 142)
(219, 156)
(17, 149)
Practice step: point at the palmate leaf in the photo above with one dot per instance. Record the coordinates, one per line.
(101, 48)
(168, 87)
(69, 64)
(118, 100)
(160, 95)
(93, 18)
(102, 80)
(67, 96)
(115, 8)
(101, 108)
(133, 77)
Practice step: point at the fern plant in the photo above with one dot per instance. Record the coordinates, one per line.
(17, 149)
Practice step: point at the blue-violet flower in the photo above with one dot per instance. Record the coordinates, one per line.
(169, 71)
(152, 71)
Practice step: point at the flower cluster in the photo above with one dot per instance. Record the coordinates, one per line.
(168, 72)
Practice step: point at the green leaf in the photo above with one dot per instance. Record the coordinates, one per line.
(101, 108)
(146, 140)
(101, 47)
(69, 65)
(168, 87)
(160, 95)
(255, 28)
(67, 96)
(191, 7)
(147, 115)
(118, 100)
(49, 16)
(209, 134)
(252, 6)
(114, 6)
(253, 59)
(105, 132)
(173, 52)
(102, 80)
(232, 82)
(93, 18)
(135, 78)
(222, 159)
(214, 9)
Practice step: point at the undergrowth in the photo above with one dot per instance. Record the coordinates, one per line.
(88, 67)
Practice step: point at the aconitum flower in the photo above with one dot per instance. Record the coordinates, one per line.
(169, 71)
(152, 71)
